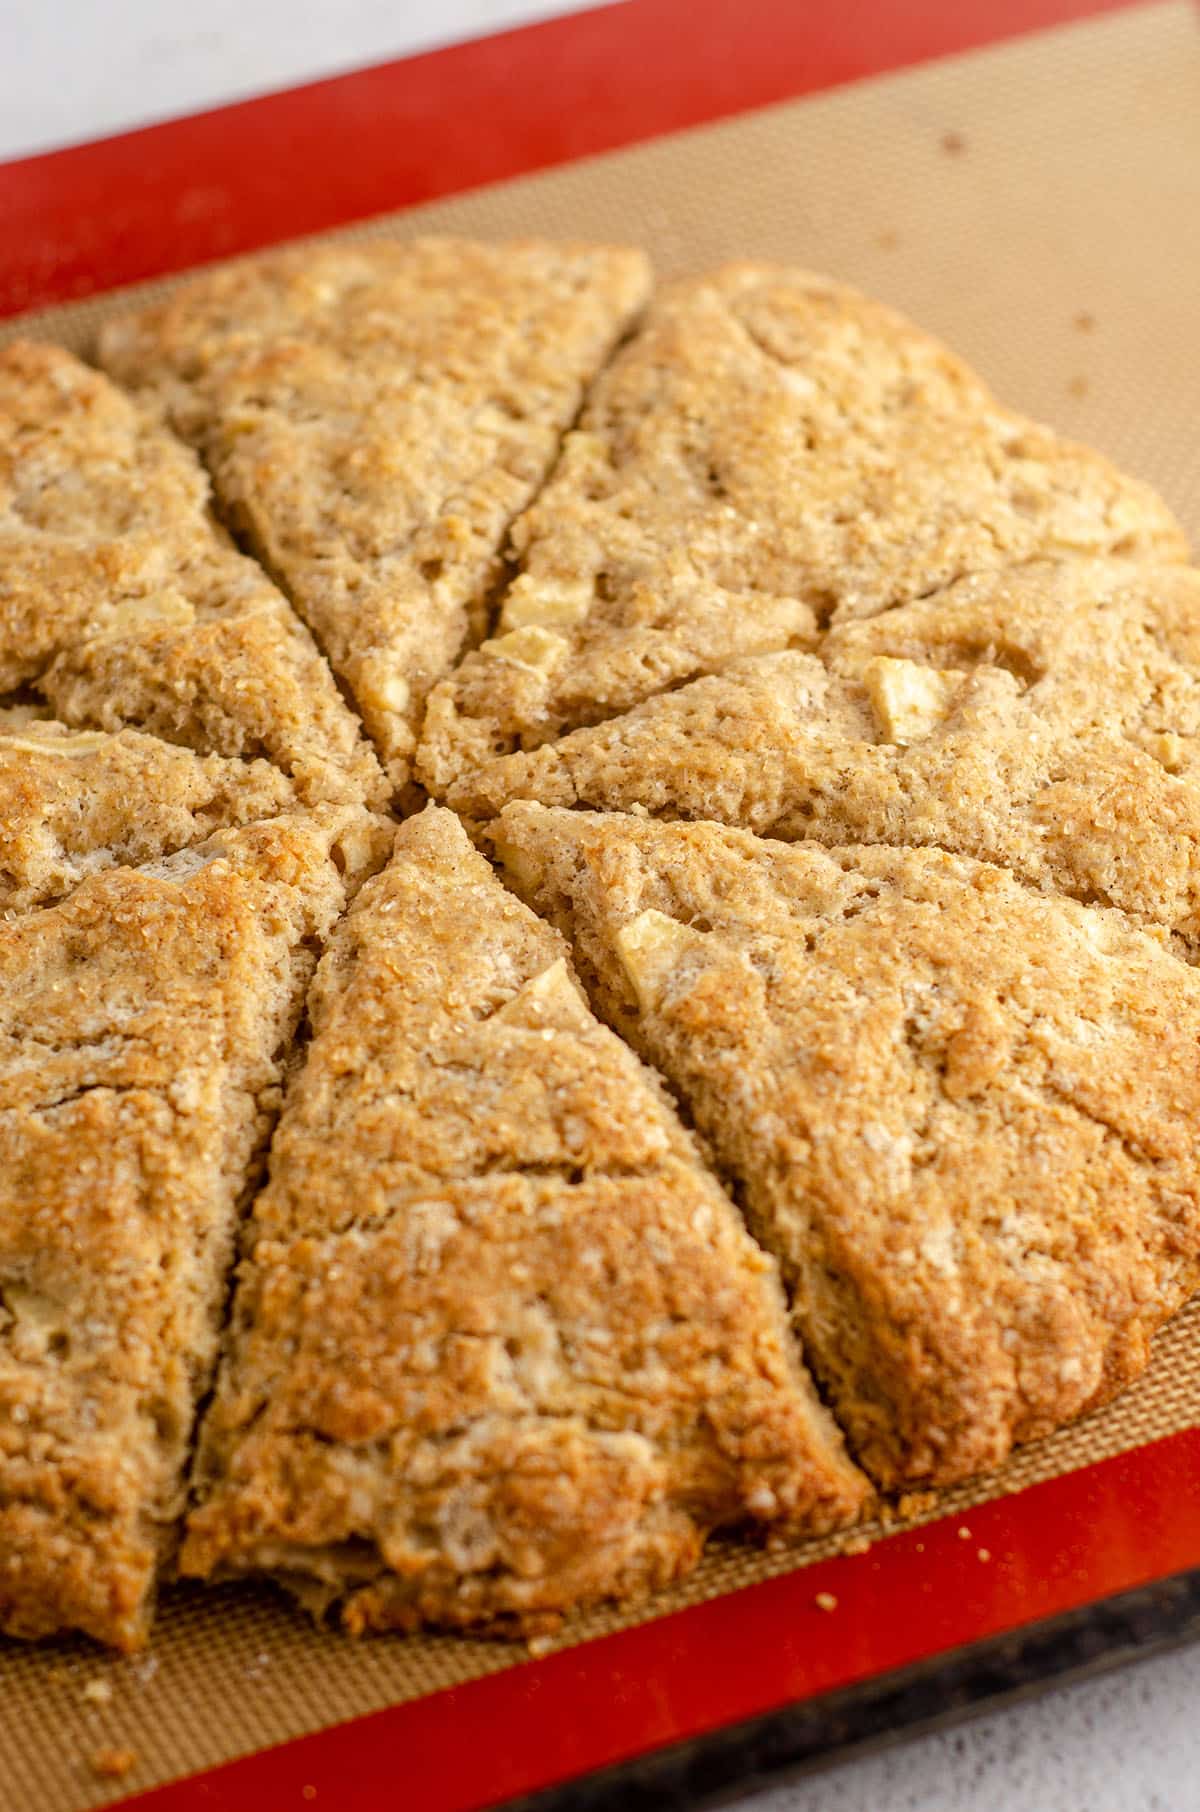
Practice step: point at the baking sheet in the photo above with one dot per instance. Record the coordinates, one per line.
(1038, 204)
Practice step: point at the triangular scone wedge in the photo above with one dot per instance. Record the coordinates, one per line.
(770, 451)
(502, 1346)
(74, 802)
(961, 1113)
(143, 1023)
(123, 602)
(1046, 719)
(374, 417)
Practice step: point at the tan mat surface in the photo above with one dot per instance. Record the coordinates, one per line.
(1039, 205)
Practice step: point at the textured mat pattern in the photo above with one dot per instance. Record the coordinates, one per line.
(1039, 206)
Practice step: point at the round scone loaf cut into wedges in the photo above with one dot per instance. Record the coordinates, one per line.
(599, 900)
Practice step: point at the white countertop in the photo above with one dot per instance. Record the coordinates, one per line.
(1127, 1742)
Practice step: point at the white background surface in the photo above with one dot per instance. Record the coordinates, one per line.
(77, 69)
(74, 69)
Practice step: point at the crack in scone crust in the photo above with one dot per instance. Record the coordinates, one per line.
(142, 1026)
(123, 602)
(769, 453)
(844, 726)
(74, 803)
(374, 418)
(959, 1111)
(1046, 720)
(501, 1345)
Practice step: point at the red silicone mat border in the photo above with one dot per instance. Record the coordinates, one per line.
(1068, 1542)
(86, 219)
(169, 196)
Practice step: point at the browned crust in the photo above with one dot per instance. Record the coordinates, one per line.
(771, 451)
(374, 417)
(122, 601)
(1048, 721)
(142, 1029)
(961, 1112)
(503, 1347)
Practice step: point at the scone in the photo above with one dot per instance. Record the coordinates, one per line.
(75, 802)
(143, 1027)
(962, 1114)
(501, 1347)
(374, 417)
(123, 602)
(1046, 719)
(771, 452)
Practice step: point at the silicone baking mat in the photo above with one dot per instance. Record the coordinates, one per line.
(1035, 201)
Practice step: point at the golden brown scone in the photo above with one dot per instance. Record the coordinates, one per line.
(122, 601)
(73, 802)
(374, 417)
(502, 1347)
(142, 1028)
(1046, 719)
(962, 1114)
(770, 451)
